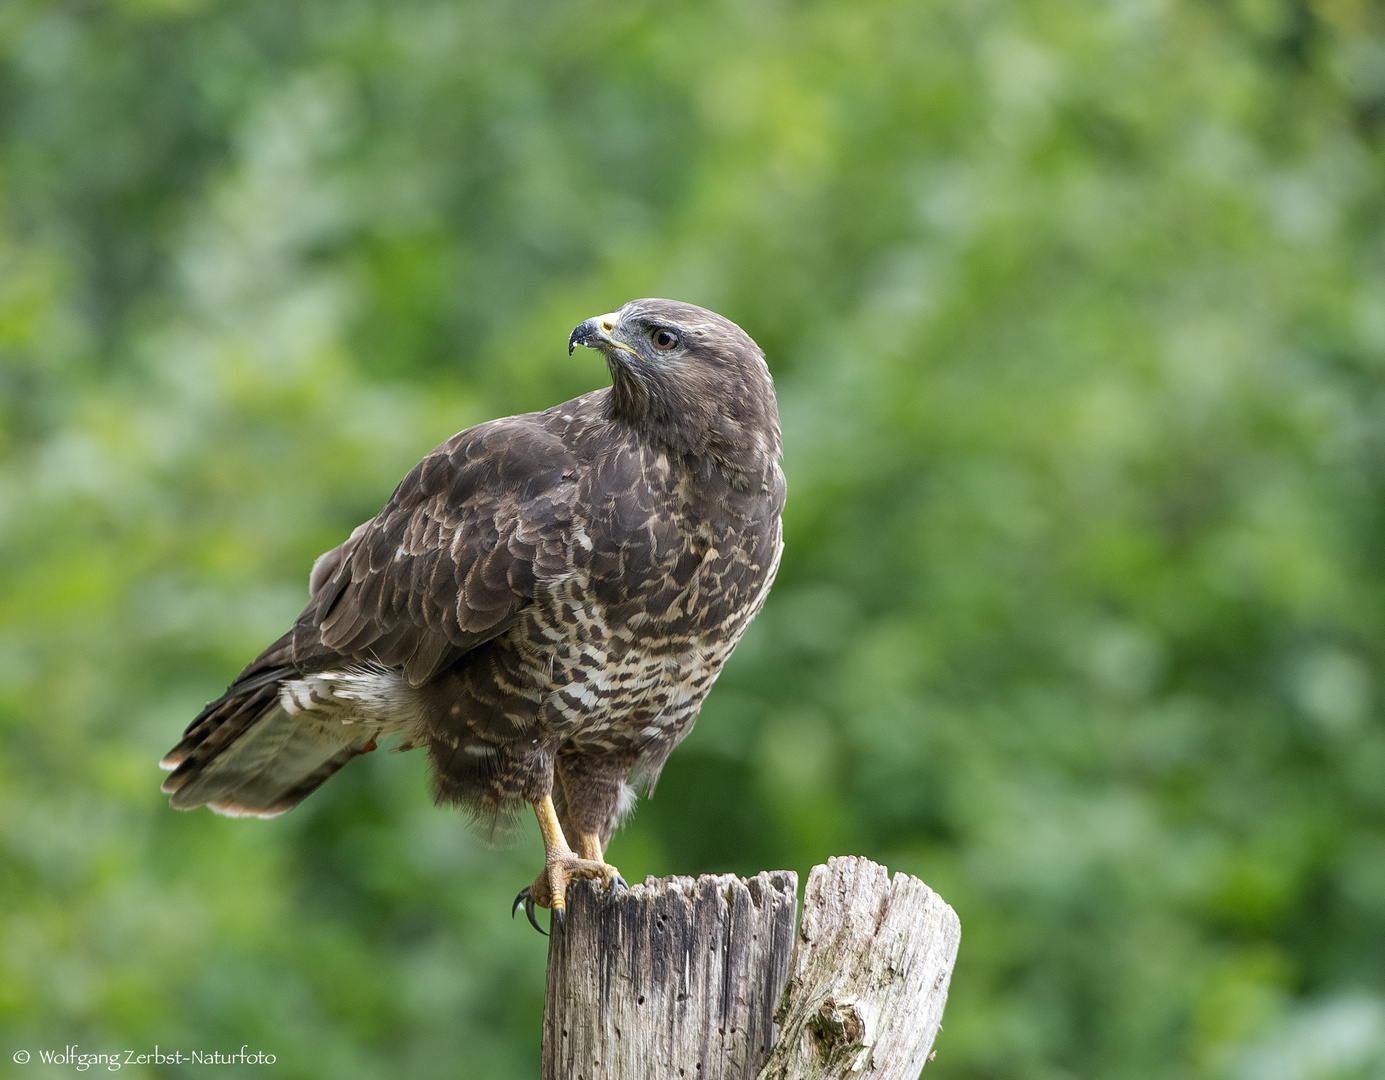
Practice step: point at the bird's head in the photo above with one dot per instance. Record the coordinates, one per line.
(689, 378)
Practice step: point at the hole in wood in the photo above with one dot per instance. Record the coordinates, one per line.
(838, 1023)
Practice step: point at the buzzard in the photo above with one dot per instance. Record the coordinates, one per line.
(543, 603)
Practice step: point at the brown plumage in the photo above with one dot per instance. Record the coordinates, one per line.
(544, 596)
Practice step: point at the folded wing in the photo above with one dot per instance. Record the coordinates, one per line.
(464, 543)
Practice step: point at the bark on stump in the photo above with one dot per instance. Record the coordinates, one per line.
(680, 978)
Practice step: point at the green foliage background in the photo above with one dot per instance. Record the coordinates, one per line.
(1077, 312)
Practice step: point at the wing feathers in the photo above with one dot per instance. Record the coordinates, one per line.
(460, 548)
(427, 658)
(436, 572)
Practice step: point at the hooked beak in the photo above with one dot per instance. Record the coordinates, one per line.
(595, 333)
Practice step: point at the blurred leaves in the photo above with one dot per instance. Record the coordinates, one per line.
(1077, 313)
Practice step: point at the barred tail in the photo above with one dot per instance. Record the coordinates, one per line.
(246, 756)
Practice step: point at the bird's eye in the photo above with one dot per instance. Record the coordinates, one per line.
(664, 339)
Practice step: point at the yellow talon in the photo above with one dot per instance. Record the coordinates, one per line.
(562, 865)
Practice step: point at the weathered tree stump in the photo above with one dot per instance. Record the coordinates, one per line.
(673, 978)
(871, 969)
(680, 978)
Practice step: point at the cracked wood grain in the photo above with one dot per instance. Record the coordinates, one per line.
(674, 978)
(680, 978)
(871, 967)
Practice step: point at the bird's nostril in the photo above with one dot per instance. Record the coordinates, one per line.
(608, 325)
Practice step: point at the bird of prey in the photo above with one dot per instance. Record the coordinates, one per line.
(543, 603)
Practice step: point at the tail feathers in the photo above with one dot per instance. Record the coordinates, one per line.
(215, 728)
(250, 758)
(253, 692)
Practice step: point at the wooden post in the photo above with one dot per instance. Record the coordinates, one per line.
(871, 969)
(674, 978)
(680, 978)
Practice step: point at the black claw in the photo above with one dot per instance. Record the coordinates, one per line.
(529, 910)
(528, 902)
(559, 917)
(617, 883)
